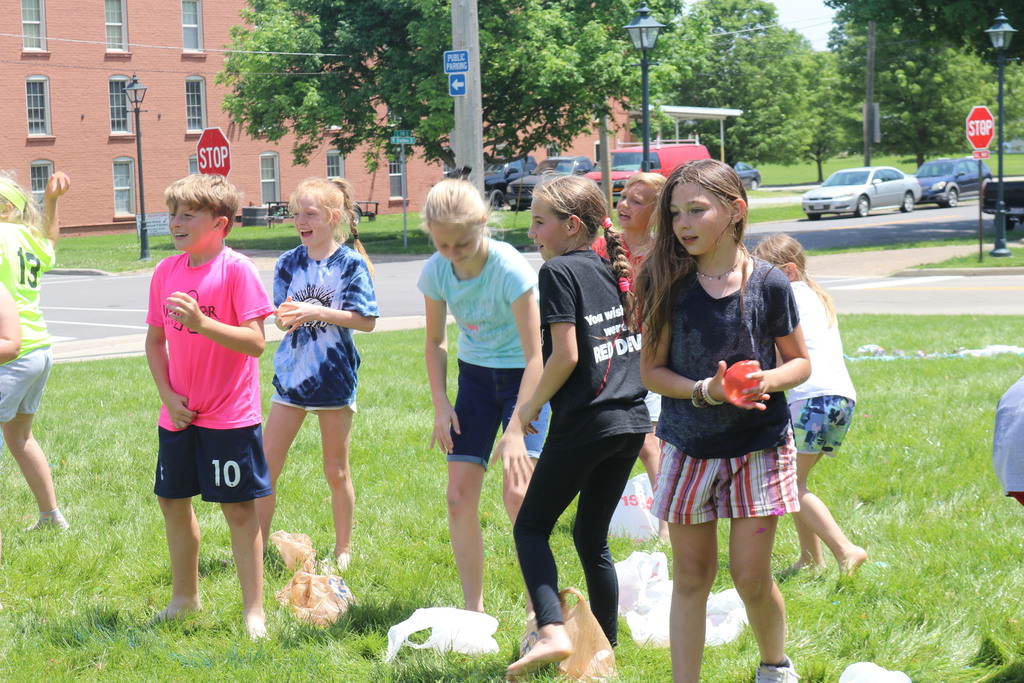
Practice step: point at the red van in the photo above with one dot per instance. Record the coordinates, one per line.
(627, 160)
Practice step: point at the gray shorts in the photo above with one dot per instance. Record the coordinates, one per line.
(22, 382)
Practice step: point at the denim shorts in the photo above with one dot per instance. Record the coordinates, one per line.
(22, 382)
(222, 465)
(486, 400)
(820, 423)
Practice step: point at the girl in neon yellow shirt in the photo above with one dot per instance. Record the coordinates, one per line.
(27, 241)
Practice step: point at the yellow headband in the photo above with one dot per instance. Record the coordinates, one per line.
(10, 192)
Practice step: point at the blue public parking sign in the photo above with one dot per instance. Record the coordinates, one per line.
(456, 61)
(456, 84)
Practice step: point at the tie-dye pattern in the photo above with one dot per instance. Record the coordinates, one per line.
(317, 363)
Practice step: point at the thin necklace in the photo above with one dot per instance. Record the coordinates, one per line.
(716, 277)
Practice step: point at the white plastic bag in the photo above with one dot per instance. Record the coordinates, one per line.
(632, 517)
(636, 574)
(726, 617)
(451, 629)
(867, 672)
(645, 599)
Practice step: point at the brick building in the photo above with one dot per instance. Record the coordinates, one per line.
(72, 61)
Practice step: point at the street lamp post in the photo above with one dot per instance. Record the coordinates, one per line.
(643, 33)
(136, 92)
(1000, 33)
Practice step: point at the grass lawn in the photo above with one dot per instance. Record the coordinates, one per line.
(939, 598)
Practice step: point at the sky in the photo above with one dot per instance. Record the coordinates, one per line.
(810, 17)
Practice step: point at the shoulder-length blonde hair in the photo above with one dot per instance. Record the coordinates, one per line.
(335, 197)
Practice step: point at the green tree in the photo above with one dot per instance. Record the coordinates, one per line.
(955, 23)
(833, 112)
(758, 67)
(924, 90)
(347, 72)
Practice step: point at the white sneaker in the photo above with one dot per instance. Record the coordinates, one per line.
(767, 673)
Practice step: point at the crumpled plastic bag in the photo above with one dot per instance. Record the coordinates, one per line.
(632, 517)
(296, 549)
(315, 598)
(645, 599)
(451, 629)
(592, 657)
(636, 574)
(867, 672)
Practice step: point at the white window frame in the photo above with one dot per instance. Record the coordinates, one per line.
(195, 31)
(193, 165)
(37, 179)
(195, 112)
(337, 160)
(395, 178)
(33, 30)
(38, 125)
(116, 23)
(121, 207)
(116, 106)
(270, 177)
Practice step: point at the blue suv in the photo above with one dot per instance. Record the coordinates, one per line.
(946, 181)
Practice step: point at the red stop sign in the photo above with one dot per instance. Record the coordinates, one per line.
(213, 152)
(980, 127)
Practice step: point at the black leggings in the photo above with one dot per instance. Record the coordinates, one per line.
(598, 472)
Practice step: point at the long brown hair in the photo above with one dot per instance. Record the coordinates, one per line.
(581, 197)
(668, 263)
(779, 249)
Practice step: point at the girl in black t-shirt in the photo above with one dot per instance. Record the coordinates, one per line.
(706, 304)
(591, 377)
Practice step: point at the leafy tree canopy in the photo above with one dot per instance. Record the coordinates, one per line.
(956, 23)
(547, 68)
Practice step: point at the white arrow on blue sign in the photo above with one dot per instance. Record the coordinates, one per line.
(456, 61)
(456, 85)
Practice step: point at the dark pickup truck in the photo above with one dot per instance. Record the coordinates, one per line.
(1013, 200)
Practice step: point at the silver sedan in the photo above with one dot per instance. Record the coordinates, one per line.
(859, 190)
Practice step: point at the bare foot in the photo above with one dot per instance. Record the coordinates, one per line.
(176, 610)
(803, 564)
(342, 560)
(256, 626)
(853, 560)
(553, 646)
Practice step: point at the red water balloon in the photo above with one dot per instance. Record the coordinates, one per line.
(735, 381)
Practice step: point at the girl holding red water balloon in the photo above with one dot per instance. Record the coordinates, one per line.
(728, 450)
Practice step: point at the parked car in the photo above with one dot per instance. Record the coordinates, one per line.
(626, 161)
(858, 190)
(750, 176)
(520, 192)
(1013, 201)
(946, 181)
(500, 174)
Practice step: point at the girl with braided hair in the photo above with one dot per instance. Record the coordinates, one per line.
(598, 418)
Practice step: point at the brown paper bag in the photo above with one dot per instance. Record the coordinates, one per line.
(296, 549)
(592, 658)
(317, 599)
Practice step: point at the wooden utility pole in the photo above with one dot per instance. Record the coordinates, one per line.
(468, 137)
(869, 105)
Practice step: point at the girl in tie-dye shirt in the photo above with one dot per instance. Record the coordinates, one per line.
(323, 291)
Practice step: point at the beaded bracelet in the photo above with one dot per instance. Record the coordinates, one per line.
(697, 397)
(707, 393)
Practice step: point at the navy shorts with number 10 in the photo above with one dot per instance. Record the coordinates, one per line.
(222, 465)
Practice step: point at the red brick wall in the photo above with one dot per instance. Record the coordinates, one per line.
(82, 145)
